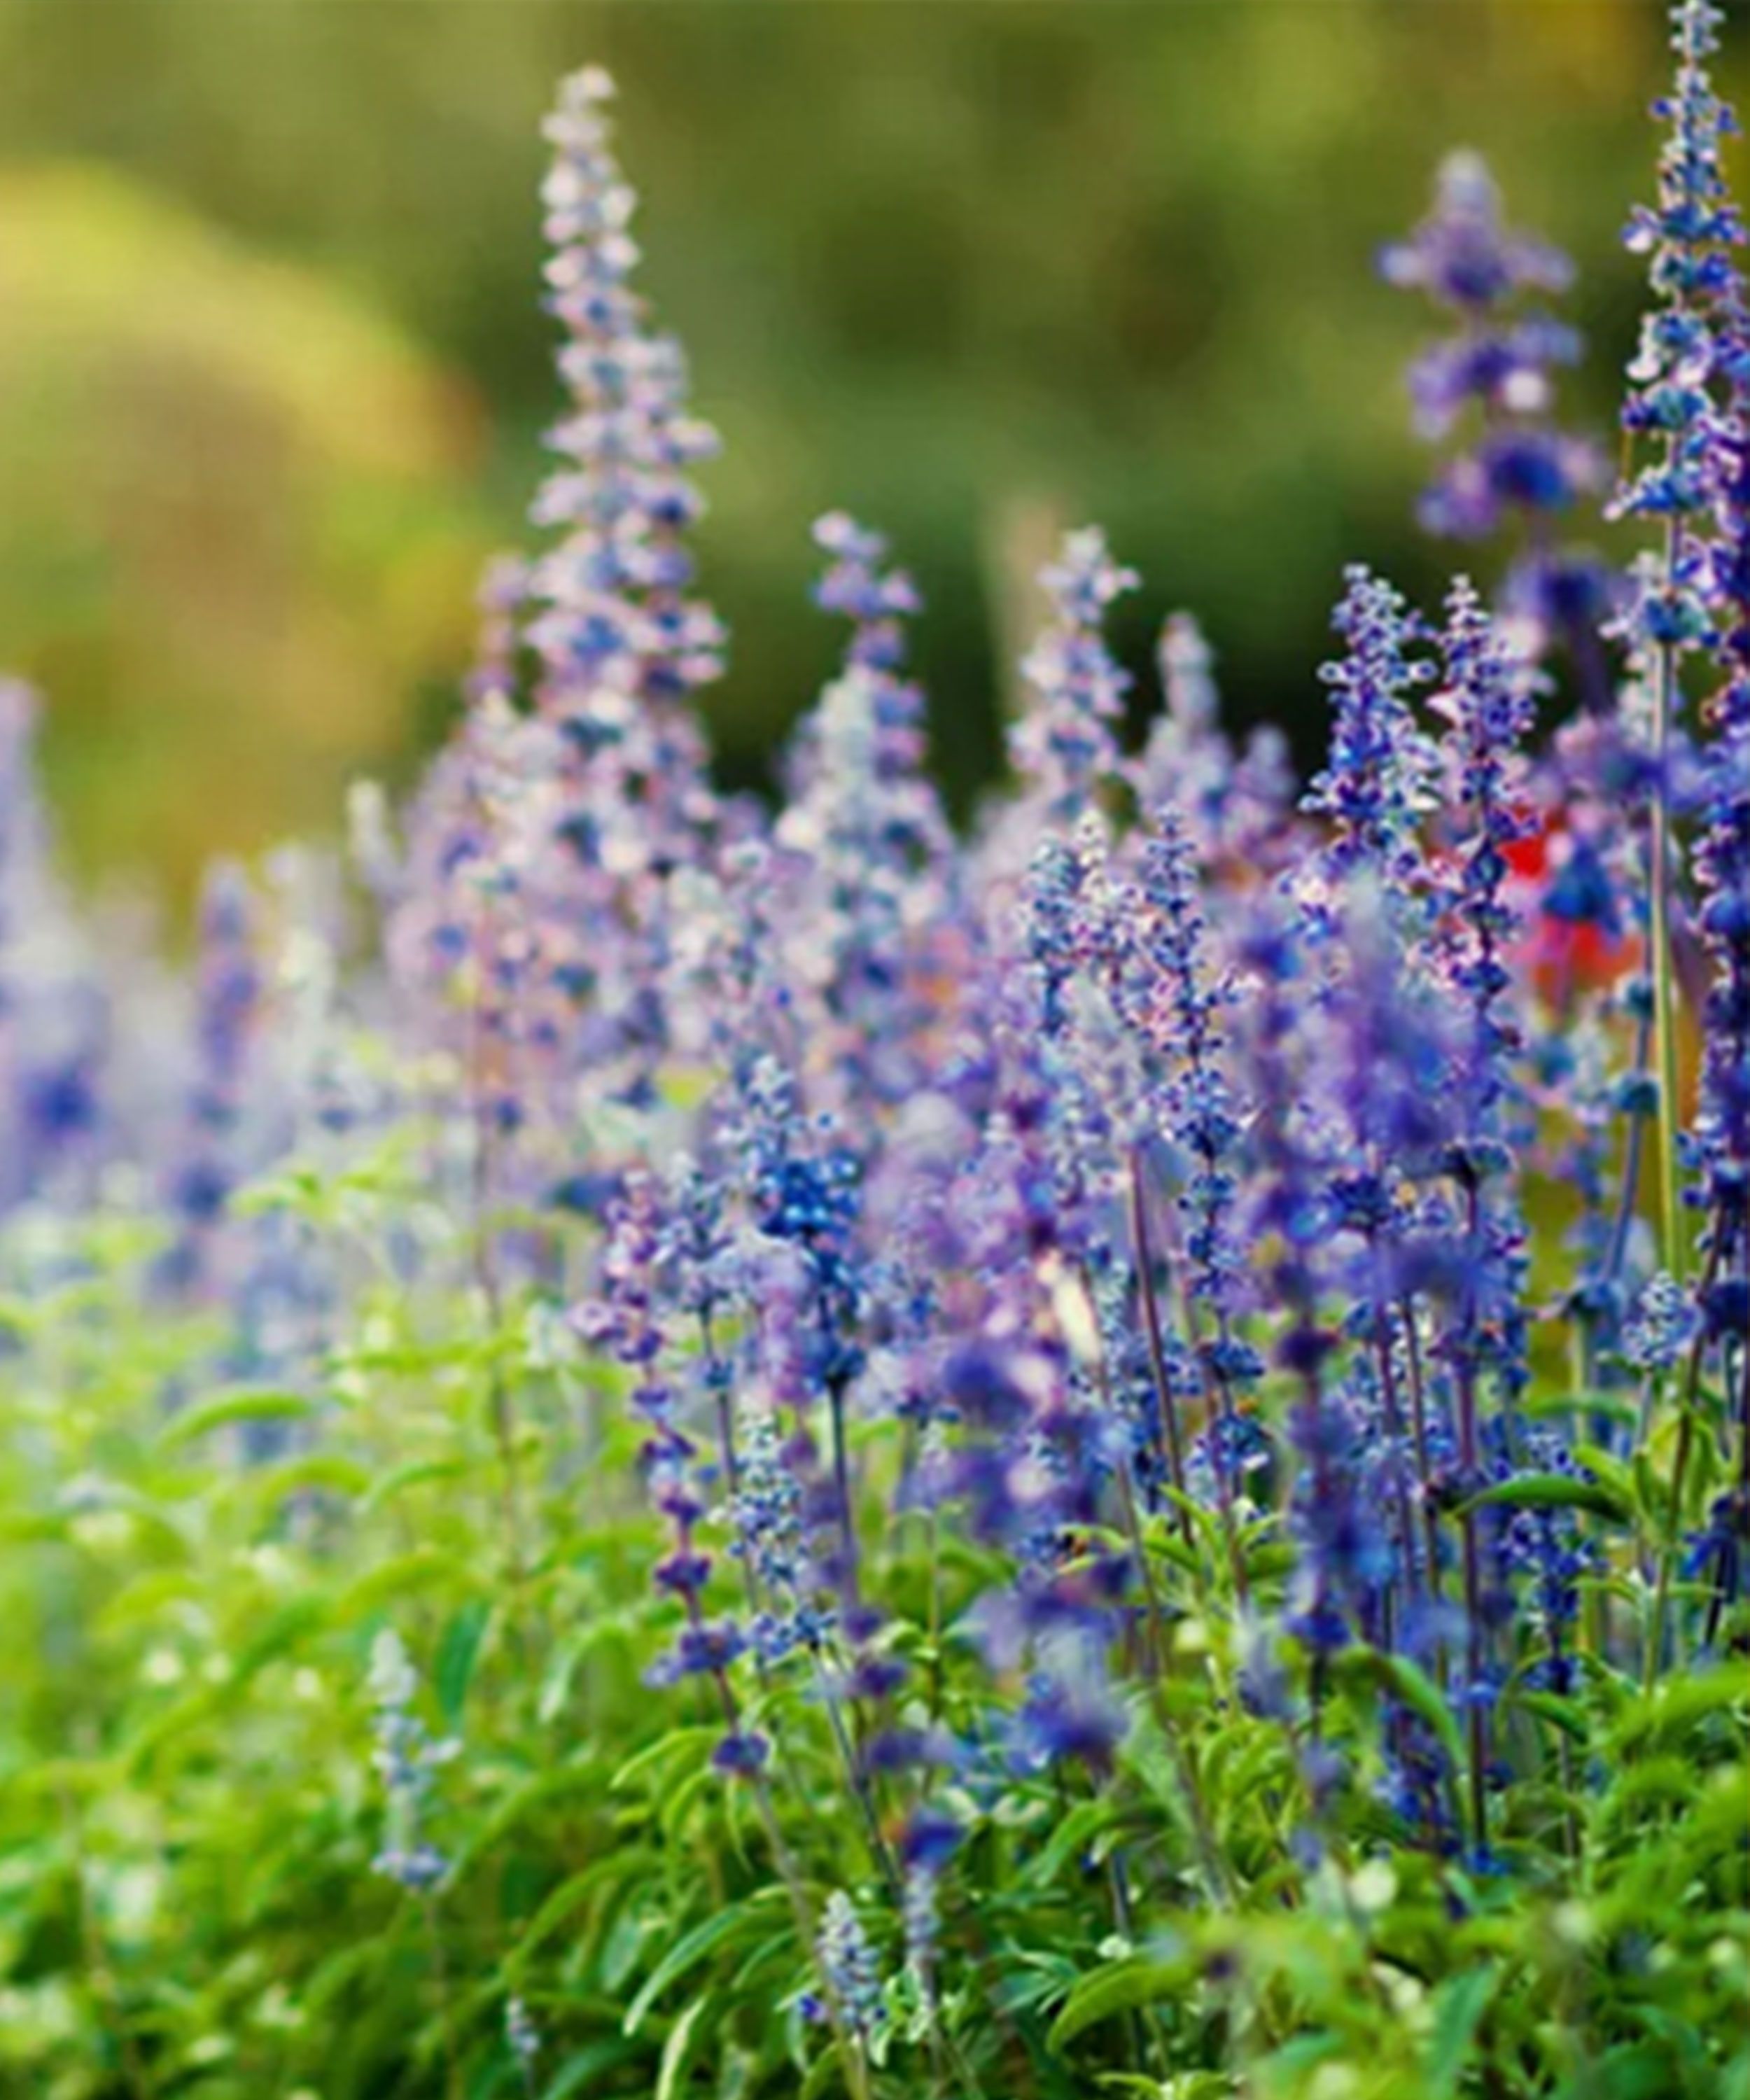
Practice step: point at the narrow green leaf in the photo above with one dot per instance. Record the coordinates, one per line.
(416, 1474)
(583, 1777)
(279, 1633)
(424, 1568)
(1459, 2005)
(679, 2049)
(1566, 1714)
(457, 1655)
(563, 1905)
(826, 2070)
(1413, 1685)
(250, 1404)
(1669, 1712)
(1554, 1491)
(689, 1951)
(326, 1471)
(580, 2072)
(1121, 1987)
(1073, 1835)
(676, 1745)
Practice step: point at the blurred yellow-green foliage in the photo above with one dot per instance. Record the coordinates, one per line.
(272, 372)
(237, 532)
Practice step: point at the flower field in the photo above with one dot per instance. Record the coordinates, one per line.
(653, 1444)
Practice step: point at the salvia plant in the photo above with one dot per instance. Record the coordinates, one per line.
(657, 1446)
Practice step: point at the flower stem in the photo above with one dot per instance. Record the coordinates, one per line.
(1673, 1539)
(440, 1984)
(1169, 1400)
(1673, 1245)
(841, 1483)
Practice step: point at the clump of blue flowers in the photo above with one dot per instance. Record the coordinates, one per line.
(1109, 1455)
(407, 1758)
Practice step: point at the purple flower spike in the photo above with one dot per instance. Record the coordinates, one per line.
(1064, 747)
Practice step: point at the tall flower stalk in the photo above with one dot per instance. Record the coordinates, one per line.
(1687, 237)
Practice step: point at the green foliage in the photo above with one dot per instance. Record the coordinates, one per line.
(235, 516)
(188, 1817)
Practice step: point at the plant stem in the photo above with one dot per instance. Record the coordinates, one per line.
(1631, 1164)
(841, 1481)
(1388, 1387)
(1476, 1714)
(440, 1981)
(1668, 1548)
(1214, 1867)
(850, 2052)
(1674, 1246)
(101, 1977)
(856, 1778)
(1419, 1438)
(1170, 1423)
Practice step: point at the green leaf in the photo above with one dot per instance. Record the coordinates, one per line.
(1459, 2005)
(1608, 1469)
(247, 1404)
(456, 1653)
(424, 1568)
(1072, 1836)
(689, 1952)
(1566, 1714)
(581, 1777)
(279, 1633)
(179, 1717)
(418, 1473)
(1611, 1406)
(1554, 1491)
(826, 2070)
(561, 1906)
(325, 1471)
(580, 2072)
(1121, 1987)
(679, 2049)
(677, 1744)
(1411, 1684)
(1675, 1707)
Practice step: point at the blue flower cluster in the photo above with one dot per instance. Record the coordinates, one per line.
(1157, 1204)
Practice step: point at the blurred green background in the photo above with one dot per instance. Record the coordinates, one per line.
(273, 375)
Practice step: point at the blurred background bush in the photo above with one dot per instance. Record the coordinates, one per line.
(273, 375)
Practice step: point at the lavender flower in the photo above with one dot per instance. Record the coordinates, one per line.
(1464, 258)
(1199, 1110)
(1233, 803)
(1686, 237)
(619, 629)
(1379, 782)
(1487, 697)
(767, 1513)
(1499, 362)
(1064, 747)
(54, 1014)
(521, 2036)
(621, 642)
(803, 1184)
(1073, 1710)
(407, 1759)
(1657, 1334)
(867, 854)
(1722, 853)
(229, 994)
(920, 1914)
(1175, 1002)
(630, 1320)
(849, 1968)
